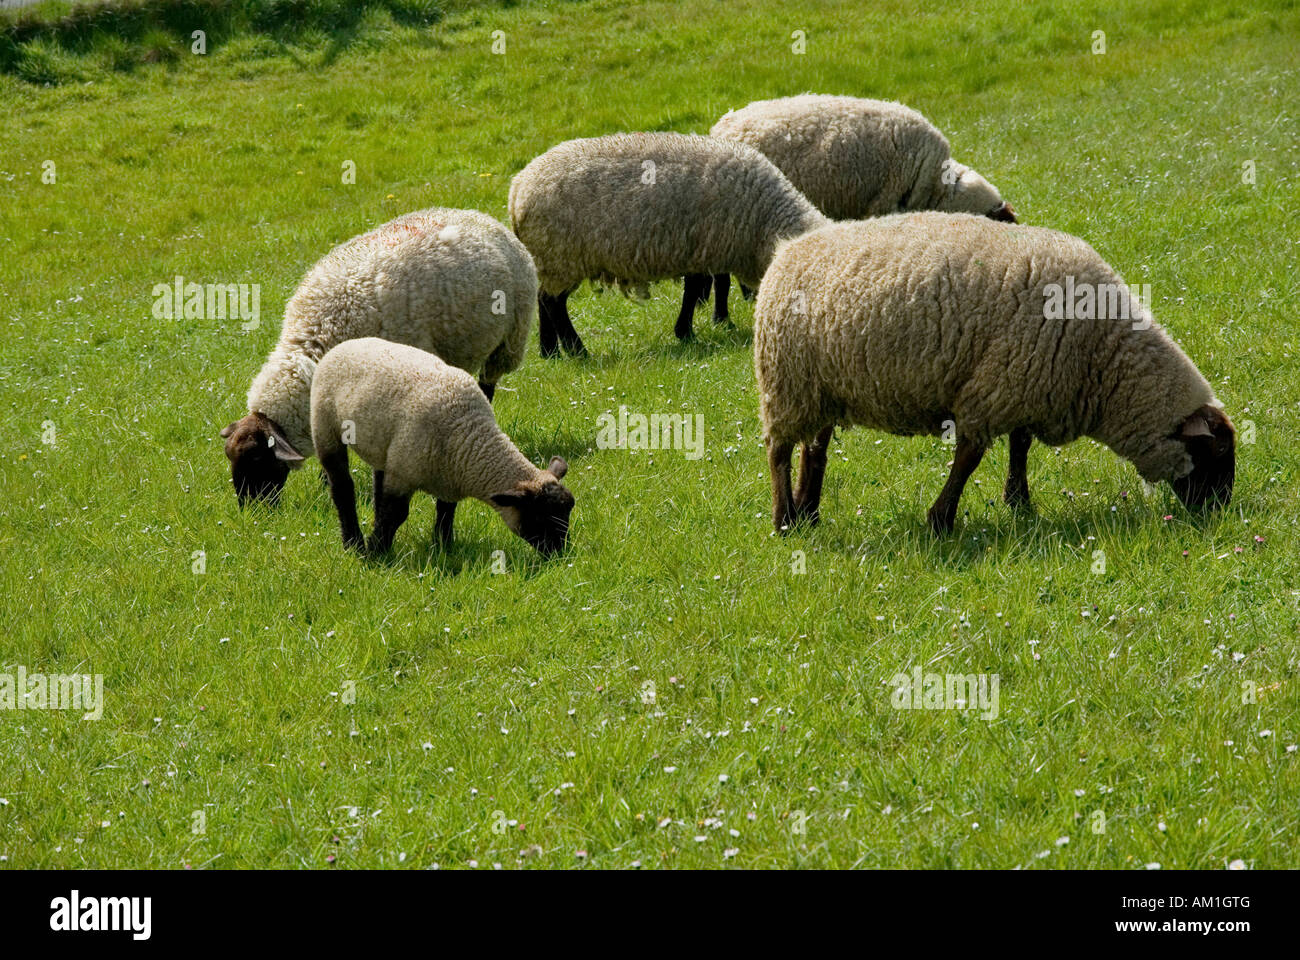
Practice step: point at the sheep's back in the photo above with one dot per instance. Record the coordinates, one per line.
(442, 280)
(851, 157)
(643, 207)
(913, 319)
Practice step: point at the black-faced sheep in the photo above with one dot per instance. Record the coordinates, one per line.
(455, 282)
(425, 425)
(925, 322)
(639, 207)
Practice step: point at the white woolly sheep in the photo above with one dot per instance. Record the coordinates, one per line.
(455, 282)
(925, 322)
(639, 207)
(424, 425)
(856, 158)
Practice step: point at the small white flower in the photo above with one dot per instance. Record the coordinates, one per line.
(1153, 866)
(1237, 865)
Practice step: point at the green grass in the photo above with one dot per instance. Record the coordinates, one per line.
(524, 693)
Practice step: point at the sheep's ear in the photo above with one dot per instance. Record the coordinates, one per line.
(281, 447)
(228, 429)
(1196, 426)
(558, 467)
(508, 499)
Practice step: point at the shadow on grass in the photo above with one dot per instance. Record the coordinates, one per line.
(463, 556)
(709, 340)
(127, 33)
(973, 542)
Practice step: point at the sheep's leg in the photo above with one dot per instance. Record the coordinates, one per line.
(390, 513)
(695, 291)
(445, 518)
(547, 339)
(489, 390)
(966, 458)
(778, 465)
(812, 468)
(569, 338)
(344, 495)
(747, 292)
(721, 291)
(1016, 492)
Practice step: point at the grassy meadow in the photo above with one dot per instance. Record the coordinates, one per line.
(682, 688)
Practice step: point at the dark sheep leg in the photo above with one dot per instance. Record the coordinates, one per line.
(778, 465)
(547, 339)
(390, 513)
(721, 291)
(695, 291)
(344, 495)
(965, 459)
(489, 390)
(446, 516)
(569, 338)
(1016, 492)
(812, 469)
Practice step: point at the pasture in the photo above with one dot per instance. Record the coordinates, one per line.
(683, 688)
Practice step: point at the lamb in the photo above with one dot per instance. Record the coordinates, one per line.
(455, 282)
(930, 322)
(640, 207)
(856, 158)
(423, 424)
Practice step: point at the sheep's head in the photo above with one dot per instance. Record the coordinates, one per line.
(1211, 442)
(260, 458)
(965, 191)
(538, 510)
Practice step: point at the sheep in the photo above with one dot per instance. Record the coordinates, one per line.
(856, 158)
(934, 323)
(634, 208)
(455, 282)
(423, 424)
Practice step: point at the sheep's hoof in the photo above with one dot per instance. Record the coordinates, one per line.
(577, 349)
(941, 521)
(1017, 499)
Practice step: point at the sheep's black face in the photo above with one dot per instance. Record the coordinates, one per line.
(260, 458)
(544, 520)
(1003, 213)
(540, 514)
(1211, 442)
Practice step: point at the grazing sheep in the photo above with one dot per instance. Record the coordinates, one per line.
(455, 282)
(925, 322)
(424, 425)
(633, 208)
(856, 158)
